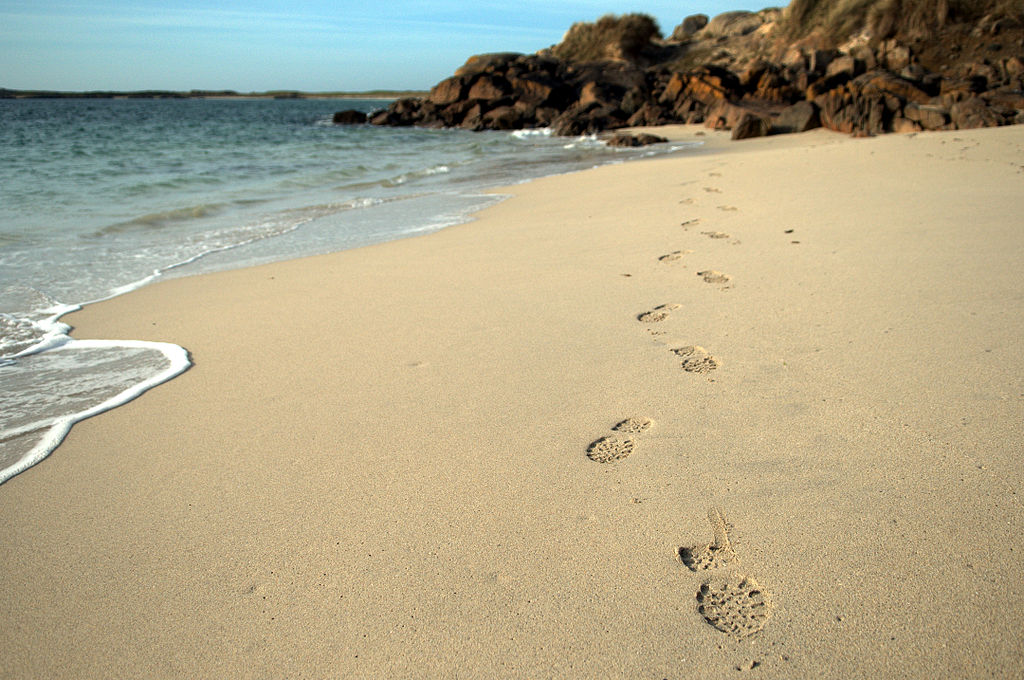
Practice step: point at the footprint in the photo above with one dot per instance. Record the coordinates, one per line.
(659, 313)
(727, 207)
(715, 234)
(696, 359)
(695, 220)
(687, 201)
(712, 190)
(712, 276)
(633, 425)
(610, 449)
(736, 605)
(674, 255)
(714, 555)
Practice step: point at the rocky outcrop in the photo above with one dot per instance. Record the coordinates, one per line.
(349, 117)
(736, 71)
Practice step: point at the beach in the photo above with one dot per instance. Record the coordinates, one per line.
(387, 461)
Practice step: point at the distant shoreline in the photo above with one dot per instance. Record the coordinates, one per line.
(205, 94)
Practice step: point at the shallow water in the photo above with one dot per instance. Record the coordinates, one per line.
(99, 197)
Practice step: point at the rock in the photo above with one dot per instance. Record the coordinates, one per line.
(349, 117)
(799, 117)
(751, 125)
(625, 139)
(883, 82)
(972, 113)
(647, 115)
(928, 117)
(843, 68)
(449, 91)
(735, 23)
(488, 87)
(483, 62)
(503, 118)
(690, 25)
(903, 126)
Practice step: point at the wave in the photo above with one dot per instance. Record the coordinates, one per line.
(164, 218)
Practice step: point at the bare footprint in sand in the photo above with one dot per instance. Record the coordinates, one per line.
(728, 208)
(689, 223)
(736, 605)
(715, 234)
(712, 190)
(674, 255)
(659, 313)
(712, 276)
(696, 359)
(714, 555)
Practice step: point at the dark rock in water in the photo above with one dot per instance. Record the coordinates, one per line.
(625, 139)
(349, 117)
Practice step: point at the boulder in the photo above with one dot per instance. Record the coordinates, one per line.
(488, 87)
(972, 113)
(883, 82)
(349, 117)
(483, 62)
(903, 126)
(625, 139)
(799, 117)
(449, 90)
(648, 114)
(927, 116)
(736, 23)
(751, 125)
(503, 118)
(690, 25)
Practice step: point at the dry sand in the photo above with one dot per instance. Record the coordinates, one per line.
(378, 466)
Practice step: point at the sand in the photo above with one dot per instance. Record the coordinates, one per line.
(400, 461)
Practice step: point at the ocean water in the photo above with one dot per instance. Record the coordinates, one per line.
(100, 197)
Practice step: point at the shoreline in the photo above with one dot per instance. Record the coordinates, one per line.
(400, 484)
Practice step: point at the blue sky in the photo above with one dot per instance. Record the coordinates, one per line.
(311, 45)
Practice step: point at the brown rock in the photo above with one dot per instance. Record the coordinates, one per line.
(648, 114)
(751, 125)
(844, 67)
(482, 62)
(883, 82)
(625, 139)
(972, 113)
(503, 118)
(449, 91)
(928, 117)
(690, 25)
(733, 24)
(488, 88)
(902, 126)
(799, 117)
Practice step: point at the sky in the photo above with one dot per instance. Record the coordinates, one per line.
(308, 45)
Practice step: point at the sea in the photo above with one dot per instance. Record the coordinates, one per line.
(99, 197)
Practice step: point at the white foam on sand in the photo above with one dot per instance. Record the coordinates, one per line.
(27, 443)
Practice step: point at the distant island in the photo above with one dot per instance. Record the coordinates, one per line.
(205, 94)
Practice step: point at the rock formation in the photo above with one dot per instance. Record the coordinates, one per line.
(865, 68)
